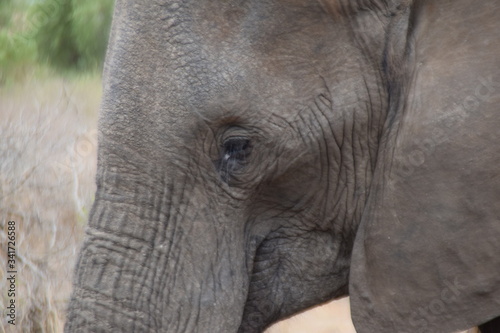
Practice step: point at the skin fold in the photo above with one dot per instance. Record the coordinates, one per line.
(259, 157)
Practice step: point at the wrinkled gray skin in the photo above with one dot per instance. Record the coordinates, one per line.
(258, 157)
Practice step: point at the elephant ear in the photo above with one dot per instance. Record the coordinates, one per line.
(426, 261)
(427, 254)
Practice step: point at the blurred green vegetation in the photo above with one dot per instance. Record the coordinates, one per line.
(67, 36)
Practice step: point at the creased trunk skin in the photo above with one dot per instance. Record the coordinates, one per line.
(156, 257)
(148, 256)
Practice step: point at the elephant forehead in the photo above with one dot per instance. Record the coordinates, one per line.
(176, 66)
(270, 55)
(271, 32)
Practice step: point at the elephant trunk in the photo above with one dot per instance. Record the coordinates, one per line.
(153, 260)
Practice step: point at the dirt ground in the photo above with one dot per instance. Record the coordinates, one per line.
(333, 317)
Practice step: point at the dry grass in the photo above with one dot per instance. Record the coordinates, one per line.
(47, 167)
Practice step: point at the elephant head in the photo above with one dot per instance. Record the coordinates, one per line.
(258, 157)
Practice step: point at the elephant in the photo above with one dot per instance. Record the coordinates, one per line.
(260, 157)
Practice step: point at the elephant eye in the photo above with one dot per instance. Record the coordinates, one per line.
(236, 148)
(234, 155)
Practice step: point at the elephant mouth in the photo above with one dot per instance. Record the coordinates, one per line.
(281, 285)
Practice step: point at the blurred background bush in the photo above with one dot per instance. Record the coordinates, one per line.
(69, 36)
